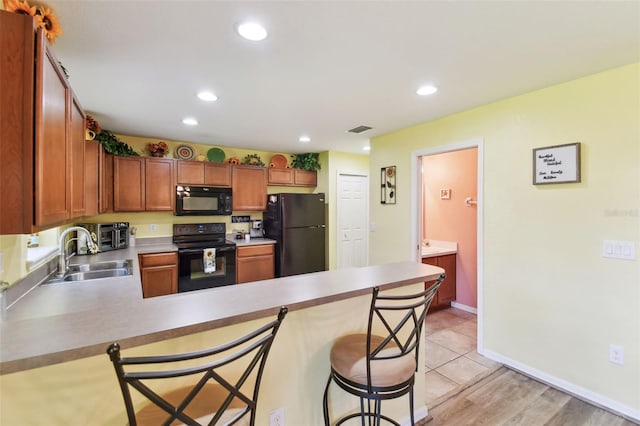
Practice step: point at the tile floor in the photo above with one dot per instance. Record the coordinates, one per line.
(453, 364)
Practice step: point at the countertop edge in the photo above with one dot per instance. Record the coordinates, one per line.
(189, 313)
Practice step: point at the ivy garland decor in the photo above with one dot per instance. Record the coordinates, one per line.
(113, 145)
(308, 161)
(252, 160)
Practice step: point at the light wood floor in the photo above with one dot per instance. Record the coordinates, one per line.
(506, 397)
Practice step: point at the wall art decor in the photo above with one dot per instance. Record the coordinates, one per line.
(556, 164)
(388, 192)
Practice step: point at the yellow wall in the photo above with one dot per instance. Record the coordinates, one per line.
(552, 303)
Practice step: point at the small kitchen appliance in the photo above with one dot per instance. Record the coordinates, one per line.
(256, 229)
(108, 236)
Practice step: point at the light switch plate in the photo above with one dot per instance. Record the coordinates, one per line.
(617, 249)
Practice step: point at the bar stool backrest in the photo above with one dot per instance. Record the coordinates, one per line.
(206, 366)
(402, 318)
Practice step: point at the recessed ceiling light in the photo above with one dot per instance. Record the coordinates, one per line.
(252, 31)
(207, 96)
(427, 90)
(190, 121)
(366, 148)
(304, 139)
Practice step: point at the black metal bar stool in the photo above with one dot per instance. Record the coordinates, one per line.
(212, 399)
(376, 367)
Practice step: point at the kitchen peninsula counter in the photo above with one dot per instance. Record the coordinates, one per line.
(119, 314)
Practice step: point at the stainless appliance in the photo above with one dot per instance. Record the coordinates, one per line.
(192, 240)
(202, 201)
(108, 236)
(297, 223)
(255, 231)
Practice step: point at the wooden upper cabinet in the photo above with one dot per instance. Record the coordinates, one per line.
(204, 173)
(52, 192)
(292, 177)
(190, 173)
(78, 160)
(128, 184)
(17, 53)
(160, 184)
(280, 176)
(105, 194)
(91, 177)
(217, 174)
(143, 184)
(249, 185)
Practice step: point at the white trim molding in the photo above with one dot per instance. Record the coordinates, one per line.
(568, 387)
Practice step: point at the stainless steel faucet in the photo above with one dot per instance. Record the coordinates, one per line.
(62, 247)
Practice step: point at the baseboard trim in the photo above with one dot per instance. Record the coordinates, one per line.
(568, 387)
(462, 307)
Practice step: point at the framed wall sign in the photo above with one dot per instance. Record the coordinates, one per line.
(556, 164)
(388, 193)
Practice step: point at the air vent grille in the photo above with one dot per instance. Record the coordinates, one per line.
(360, 129)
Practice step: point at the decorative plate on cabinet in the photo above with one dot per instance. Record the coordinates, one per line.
(278, 161)
(185, 152)
(215, 155)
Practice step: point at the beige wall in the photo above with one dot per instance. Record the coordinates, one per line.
(552, 303)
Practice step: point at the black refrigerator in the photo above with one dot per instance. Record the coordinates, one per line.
(297, 223)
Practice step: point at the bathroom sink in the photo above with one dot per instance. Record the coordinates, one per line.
(100, 266)
(94, 275)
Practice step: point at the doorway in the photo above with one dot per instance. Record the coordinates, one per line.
(352, 219)
(448, 197)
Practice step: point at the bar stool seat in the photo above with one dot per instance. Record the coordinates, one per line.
(349, 360)
(381, 364)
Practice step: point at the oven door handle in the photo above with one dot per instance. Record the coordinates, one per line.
(199, 251)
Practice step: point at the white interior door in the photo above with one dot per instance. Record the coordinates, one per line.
(353, 216)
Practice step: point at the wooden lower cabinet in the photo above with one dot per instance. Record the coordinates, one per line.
(447, 292)
(255, 263)
(158, 273)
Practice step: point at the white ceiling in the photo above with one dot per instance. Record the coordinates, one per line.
(326, 66)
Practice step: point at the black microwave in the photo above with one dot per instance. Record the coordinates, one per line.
(202, 201)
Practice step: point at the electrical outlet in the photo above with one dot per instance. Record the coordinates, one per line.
(276, 417)
(616, 354)
(152, 227)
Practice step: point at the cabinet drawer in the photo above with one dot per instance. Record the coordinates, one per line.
(259, 250)
(158, 259)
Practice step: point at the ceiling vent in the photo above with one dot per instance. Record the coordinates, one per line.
(360, 129)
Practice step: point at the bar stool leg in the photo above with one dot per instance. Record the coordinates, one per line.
(325, 403)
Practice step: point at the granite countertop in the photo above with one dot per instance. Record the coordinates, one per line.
(57, 323)
(434, 248)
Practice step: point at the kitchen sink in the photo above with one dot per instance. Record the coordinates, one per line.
(94, 275)
(95, 271)
(100, 266)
